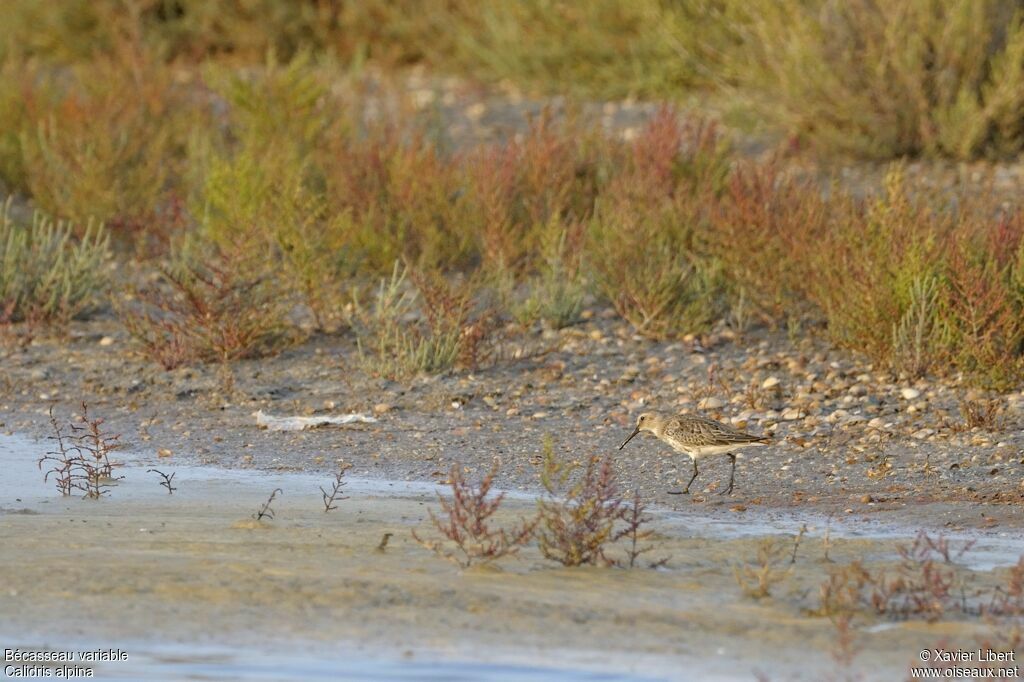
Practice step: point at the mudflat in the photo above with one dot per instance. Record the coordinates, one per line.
(311, 590)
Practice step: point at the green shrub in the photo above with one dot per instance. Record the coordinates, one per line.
(427, 329)
(645, 264)
(212, 305)
(874, 269)
(766, 231)
(607, 48)
(556, 290)
(885, 79)
(982, 304)
(47, 275)
(102, 141)
(645, 243)
(916, 286)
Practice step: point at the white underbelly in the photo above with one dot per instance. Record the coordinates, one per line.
(705, 450)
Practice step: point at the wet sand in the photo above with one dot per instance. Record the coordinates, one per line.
(169, 576)
(853, 441)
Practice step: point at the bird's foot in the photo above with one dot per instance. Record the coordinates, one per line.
(727, 491)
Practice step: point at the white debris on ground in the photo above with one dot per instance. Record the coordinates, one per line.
(272, 423)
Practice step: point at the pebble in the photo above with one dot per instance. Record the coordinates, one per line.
(921, 434)
(791, 414)
(381, 408)
(838, 416)
(711, 403)
(910, 393)
(770, 382)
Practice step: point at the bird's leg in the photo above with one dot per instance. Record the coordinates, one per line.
(686, 490)
(732, 475)
(695, 472)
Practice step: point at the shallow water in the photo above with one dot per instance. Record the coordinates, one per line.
(193, 588)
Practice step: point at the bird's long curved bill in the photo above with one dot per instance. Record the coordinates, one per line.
(635, 431)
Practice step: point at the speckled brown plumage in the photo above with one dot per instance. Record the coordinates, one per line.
(696, 437)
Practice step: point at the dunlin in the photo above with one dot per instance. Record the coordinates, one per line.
(696, 437)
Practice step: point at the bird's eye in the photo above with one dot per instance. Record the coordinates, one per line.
(642, 418)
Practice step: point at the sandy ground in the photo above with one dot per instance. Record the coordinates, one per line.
(142, 569)
(846, 439)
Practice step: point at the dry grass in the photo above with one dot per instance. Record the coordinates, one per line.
(221, 308)
(925, 583)
(469, 536)
(981, 413)
(758, 578)
(81, 458)
(583, 514)
(427, 326)
(177, 126)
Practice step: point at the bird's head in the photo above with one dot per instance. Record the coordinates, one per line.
(648, 421)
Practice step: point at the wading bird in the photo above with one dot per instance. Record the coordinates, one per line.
(697, 437)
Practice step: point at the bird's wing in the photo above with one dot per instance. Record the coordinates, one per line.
(703, 430)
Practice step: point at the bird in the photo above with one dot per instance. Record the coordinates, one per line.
(696, 437)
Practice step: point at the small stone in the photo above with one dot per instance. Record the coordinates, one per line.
(107, 341)
(910, 393)
(921, 434)
(540, 415)
(867, 499)
(381, 408)
(791, 414)
(163, 452)
(711, 403)
(770, 382)
(837, 416)
(476, 111)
